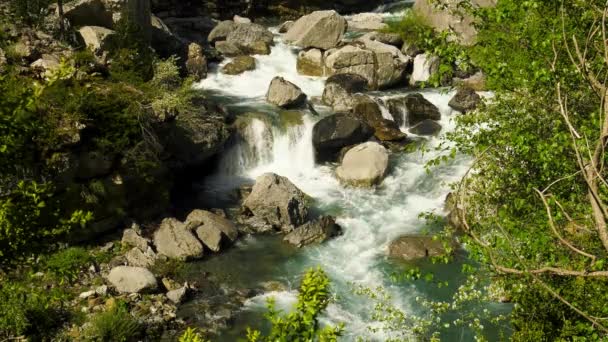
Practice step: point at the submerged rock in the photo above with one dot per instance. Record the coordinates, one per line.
(128, 279)
(320, 29)
(364, 165)
(414, 247)
(334, 132)
(285, 94)
(426, 127)
(278, 202)
(175, 240)
(239, 65)
(466, 99)
(310, 62)
(317, 231)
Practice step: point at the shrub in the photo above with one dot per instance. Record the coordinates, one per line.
(114, 325)
(67, 264)
(191, 335)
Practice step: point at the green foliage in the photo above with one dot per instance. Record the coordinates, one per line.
(191, 335)
(67, 264)
(302, 324)
(31, 12)
(28, 310)
(114, 325)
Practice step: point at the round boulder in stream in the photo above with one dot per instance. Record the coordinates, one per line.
(320, 29)
(277, 202)
(285, 94)
(239, 65)
(364, 165)
(334, 132)
(339, 90)
(416, 107)
(426, 127)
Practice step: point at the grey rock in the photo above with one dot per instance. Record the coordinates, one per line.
(137, 257)
(285, 94)
(128, 279)
(102, 290)
(241, 20)
(96, 38)
(425, 67)
(364, 165)
(465, 100)
(369, 111)
(227, 49)
(334, 132)
(87, 294)
(366, 22)
(415, 247)
(321, 29)
(197, 62)
(277, 201)
(177, 296)
(132, 238)
(174, 240)
(339, 91)
(251, 39)
(239, 65)
(415, 107)
(351, 59)
(221, 31)
(198, 218)
(426, 127)
(317, 231)
(286, 26)
(310, 62)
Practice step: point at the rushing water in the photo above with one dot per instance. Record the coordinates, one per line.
(371, 218)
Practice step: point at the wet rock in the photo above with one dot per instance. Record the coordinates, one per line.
(465, 100)
(416, 107)
(321, 29)
(127, 279)
(426, 127)
(96, 38)
(337, 131)
(239, 65)
(177, 296)
(228, 49)
(285, 94)
(286, 26)
(425, 66)
(339, 91)
(366, 22)
(132, 237)
(197, 62)
(413, 247)
(317, 231)
(364, 165)
(88, 13)
(277, 201)
(174, 240)
(221, 31)
(310, 62)
(369, 111)
(201, 218)
(251, 39)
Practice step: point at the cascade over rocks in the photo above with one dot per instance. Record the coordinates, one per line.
(317, 231)
(425, 66)
(175, 240)
(334, 132)
(413, 247)
(320, 29)
(339, 91)
(368, 110)
(128, 279)
(426, 127)
(285, 94)
(364, 165)
(465, 100)
(277, 202)
(239, 65)
(417, 108)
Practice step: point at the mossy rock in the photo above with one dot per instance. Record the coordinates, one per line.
(290, 118)
(239, 65)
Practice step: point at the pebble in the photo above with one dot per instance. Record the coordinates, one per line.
(102, 290)
(87, 294)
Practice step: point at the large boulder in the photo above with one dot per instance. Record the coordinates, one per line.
(197, 62)
(339, 91)
(286, 26)
(285, 94)
(425, 67)
(163, 41)
(352, 59)
(368, 110)
(310, 62)
(391, 64)
(393, 39)
(415, 247)
(465, 100)
(128, 279)
(175, 240)
(141, 258)
(337, 131)
(96, 38)
(317, 231)
(228, 49)
(321, 29)
(364, 165)
(221, 31)
(132, 237)
(211, 229)
(251, 39)
(88, 13)
(239, 65)
(277, 202)
(366, 22)
(415, 107)
(426, 127)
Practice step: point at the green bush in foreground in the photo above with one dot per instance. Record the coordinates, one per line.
(114, 325)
